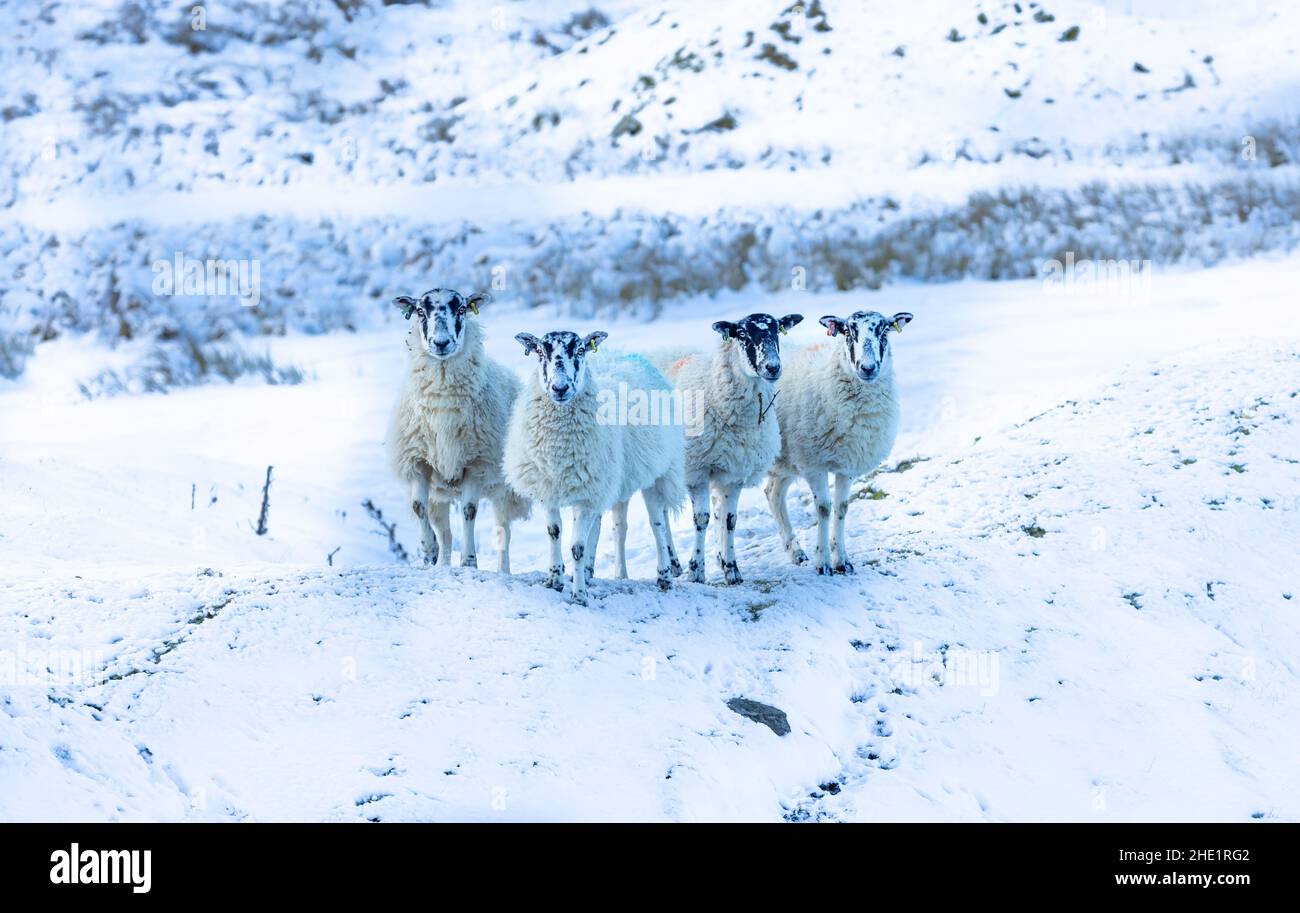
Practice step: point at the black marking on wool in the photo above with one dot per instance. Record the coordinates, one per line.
(731, 523)
(701, 521)
(553, 531)
(470, 511)
(823, 510)
(418, 508)
(577, 551)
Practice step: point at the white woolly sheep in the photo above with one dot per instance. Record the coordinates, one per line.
(838, 413)
(448, 430)
(566, 449)
(734, 436)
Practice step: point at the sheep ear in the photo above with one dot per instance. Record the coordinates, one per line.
(726, 328)
(476, 300)
(530, 342)
(901, 319)
(406, 304)
(832, 324)
(790, 320)
(594, 340)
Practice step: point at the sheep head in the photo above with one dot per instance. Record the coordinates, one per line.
(561, 360)
(757, 349)
(864, 341)
(442, 315)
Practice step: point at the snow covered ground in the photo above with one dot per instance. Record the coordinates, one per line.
(1076, 596)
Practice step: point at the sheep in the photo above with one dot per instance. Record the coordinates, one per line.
(448, 429)
(838, 413)
(565, 449)
(733, 437)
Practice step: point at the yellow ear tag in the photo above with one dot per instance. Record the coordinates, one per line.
(898, 327)
(784, 331)
(473, 307)
(591, 344)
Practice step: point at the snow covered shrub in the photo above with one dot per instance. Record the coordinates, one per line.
(14, 349)
(318, 276)
(184, 362)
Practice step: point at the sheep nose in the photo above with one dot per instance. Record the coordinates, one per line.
(560, 387)
(772, 371)
(441, 344)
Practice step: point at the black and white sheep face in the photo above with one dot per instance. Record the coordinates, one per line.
(442, 315)
(758, 341)
(562, 361)
(864, 339)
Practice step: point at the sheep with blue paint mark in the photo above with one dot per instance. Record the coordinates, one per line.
(565, 449)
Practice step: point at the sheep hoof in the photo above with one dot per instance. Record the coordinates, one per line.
(665, 582)
(580, 598)
(845, 568)
(798, 555)
(697, 570)
(825, 570)
(553, 580)
(469, 561)
(731, 573)
(675, 568)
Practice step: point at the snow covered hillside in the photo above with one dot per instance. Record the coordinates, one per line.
(1076, 596)
(114, 95)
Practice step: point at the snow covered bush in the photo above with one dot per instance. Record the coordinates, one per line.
(185, 362)
(318, 276)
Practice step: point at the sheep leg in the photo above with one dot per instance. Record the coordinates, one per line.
(582, 534)
(620, 540)
(817, 481)
(776, 488)
(440, 515)
(674, 566)
(588, 544)
(503, 546)
(420, 505)
(842, 483)
(555, 579)
(654, 507)
(726, 506)
(469, 542)
(593, 540)
(700, 513)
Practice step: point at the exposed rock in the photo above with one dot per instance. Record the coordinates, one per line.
(766, 714)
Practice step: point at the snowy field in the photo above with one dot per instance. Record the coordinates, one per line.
(1075, 598)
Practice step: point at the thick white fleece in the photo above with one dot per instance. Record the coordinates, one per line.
(571, 454)
(830, 420)
(727, 443)
(450, 423)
